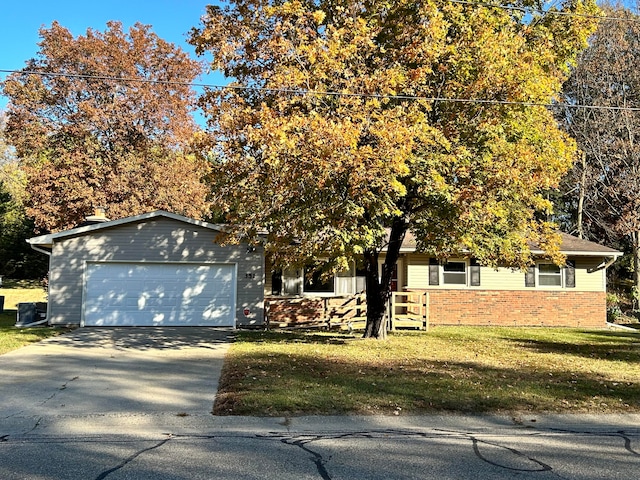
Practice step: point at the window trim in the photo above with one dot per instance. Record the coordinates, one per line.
(560, 275)
(465, 263)
(472, 273)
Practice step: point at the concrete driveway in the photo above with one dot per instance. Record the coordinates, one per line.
(110, 373)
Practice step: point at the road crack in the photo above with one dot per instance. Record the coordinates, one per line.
(131, 458)
(62, 387)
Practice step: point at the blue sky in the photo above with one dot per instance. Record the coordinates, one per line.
(21, 20)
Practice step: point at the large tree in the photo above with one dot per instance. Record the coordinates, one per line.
(17, 259)
(105, 119)
(349, 123)
(604, 186)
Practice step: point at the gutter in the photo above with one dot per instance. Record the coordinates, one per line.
(40, 249)
(46, 319)
(604, 265)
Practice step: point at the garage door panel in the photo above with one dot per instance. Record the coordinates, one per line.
(161, 294)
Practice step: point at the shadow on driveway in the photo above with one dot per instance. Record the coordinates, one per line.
(124, 371)
(145, 338)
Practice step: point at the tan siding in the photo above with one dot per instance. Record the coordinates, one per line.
(508, 279)
(159, 240)
(268, 282)
(501, 279)
(417, 271)
(590, 282)
(505, 278)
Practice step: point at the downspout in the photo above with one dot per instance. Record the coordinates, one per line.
(604, 265)
(34, 324)
(46, 319)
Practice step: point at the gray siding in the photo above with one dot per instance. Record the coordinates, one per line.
(158, 240)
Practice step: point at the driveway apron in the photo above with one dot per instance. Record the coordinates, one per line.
(111, 371)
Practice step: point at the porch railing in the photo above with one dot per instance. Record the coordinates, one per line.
(409, 310)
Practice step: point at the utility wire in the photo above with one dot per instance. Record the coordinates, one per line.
(542, 11)
(290, 91)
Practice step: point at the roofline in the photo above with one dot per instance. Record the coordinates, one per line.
(581, 253)
(49, 239)
(573, 253)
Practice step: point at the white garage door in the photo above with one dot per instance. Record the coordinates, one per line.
(159, 295)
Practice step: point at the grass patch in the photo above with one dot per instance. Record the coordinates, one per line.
(14, 292)
(449, 369)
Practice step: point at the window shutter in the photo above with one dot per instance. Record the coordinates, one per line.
(530, 277)
(434, 272)
(474, 272)
(570, 274)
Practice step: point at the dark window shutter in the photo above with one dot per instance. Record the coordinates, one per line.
(474, 272)
(530, 277)
(570, 274)
(434, 272)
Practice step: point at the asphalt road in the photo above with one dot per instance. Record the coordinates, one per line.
(438, 447)
(135, 404)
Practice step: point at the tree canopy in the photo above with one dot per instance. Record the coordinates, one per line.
(349, 123)
(17, 259)
(105, 119)
(605, 185)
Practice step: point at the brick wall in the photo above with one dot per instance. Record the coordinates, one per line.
(315, 311)
(469, 307)
(517, 308)
(291, 311)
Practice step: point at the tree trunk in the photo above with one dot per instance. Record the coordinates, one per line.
(379, 286)
(581, 193)
(636, 268)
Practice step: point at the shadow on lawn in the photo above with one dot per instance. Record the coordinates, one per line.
(304, 337)
(271, 383)
(8, 318)
(602, 345)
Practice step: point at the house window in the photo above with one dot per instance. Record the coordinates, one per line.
(276, 282)
(454, 273)
(549, 275)
(314, 283)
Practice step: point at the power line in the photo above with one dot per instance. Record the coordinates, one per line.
(110, 78)
(289, 91)
(542, 11)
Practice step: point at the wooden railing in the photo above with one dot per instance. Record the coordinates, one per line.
(406, 310)
(409, 310)
(348, 312)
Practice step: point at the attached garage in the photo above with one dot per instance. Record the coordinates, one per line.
(126, 294)
(156, 269)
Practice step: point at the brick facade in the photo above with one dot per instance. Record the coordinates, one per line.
(518, 308)
(291, 311)
(472, 307)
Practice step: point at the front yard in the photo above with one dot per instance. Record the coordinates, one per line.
(449, 369)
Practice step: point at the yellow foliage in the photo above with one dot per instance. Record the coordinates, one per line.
(344, 136)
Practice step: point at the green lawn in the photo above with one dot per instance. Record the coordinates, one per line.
(11, 337)
(449, 369)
